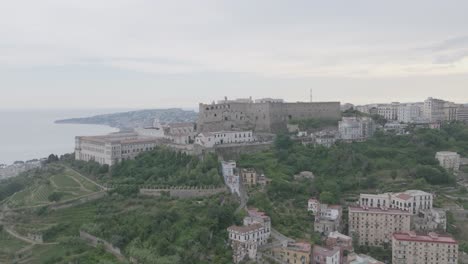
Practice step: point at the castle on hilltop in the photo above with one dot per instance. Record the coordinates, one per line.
(262, 115)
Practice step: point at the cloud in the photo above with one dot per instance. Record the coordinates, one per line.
(300, 39)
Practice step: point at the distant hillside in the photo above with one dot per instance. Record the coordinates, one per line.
(133, 119)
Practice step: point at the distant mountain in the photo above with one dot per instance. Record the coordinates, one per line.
(132, 119)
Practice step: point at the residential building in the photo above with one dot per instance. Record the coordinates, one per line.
(449, 160)
(313, 206)
(409, 247)
(434, 219)
(355, 129)
(375, 226)
(450, 111)
(248, 176)
(212, 139)
(388, 111)
(299, 253)
(246, 239)
(354, 258)
(433, 109)
(411, 200)
(113, 148)
(462, 113)
(410, 113)
(327, 217)
(254, 216)
(243, 240)
(326, 138)
(231, 176)
(322, 255)
(263, 181)
(336, 239)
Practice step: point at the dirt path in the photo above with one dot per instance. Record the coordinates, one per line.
(25, 239)
(86, 178)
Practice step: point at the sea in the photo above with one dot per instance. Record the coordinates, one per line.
(32, 134)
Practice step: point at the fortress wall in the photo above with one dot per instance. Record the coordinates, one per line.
(184, 193)
(261, 117)
(233, 152)
(328, 110)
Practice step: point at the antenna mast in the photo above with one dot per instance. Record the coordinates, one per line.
(311, 95)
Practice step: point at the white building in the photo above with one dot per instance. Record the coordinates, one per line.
(412, 201)
(449, 160)
(211, 139)
(313, 206)
(410, 113)
(388, 111)
(113, 148)
(356, 129)
(231, 176)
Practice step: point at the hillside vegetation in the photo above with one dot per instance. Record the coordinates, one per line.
(162, 167)
(383, 163)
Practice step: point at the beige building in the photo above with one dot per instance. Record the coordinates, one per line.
(249, 177)
(113, 148)
(246, 239)
(299, 253)
(449, 160)
(375, 226)
(411, 248)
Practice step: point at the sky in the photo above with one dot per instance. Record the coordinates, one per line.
(158, 54)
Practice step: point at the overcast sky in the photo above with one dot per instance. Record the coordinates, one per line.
(155, 54)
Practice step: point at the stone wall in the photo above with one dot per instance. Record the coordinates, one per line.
(261, 117)
(183, 192)
(95, 241)
(233, 152)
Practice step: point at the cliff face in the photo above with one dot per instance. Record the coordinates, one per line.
(132, 119)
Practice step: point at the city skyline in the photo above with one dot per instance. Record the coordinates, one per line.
(143, 54)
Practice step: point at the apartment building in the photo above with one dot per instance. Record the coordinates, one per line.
(248, 176)
(410, 113)
(448, 160)
(412, 248)
(246, 239)
(356, 129)
(388, 111)
(375, 226)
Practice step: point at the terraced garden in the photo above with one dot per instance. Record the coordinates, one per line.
(55, 224)
(64, 182)
(9, 246)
